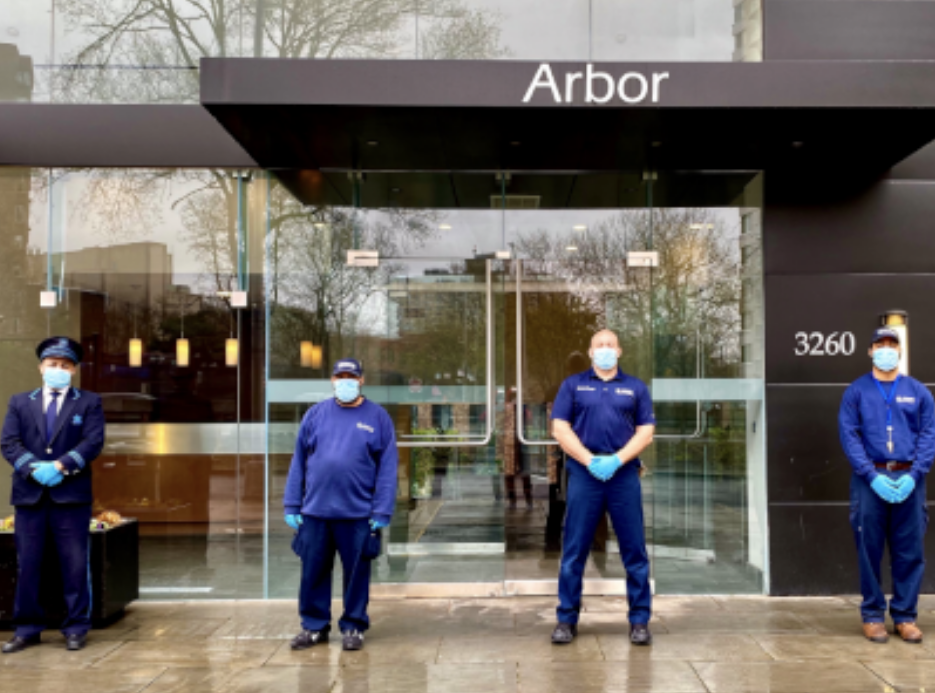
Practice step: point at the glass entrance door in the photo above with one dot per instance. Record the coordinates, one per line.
(680, 285)
(469, 298)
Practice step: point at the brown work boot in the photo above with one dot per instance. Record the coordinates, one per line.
(876, 632)
(909, 632)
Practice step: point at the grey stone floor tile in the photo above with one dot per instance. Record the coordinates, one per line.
(788, 677)
(837, 647)
(696, 647)
(609, 677)
(904, 676)
(282, 680)
(429, 678)
(230, 654)
(792, 605)
(517, 649)
(82, 681)
(192, 680)
(52, 655)
(661, 605)
(753, 622)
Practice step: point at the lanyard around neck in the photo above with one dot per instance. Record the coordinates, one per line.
(888, 399)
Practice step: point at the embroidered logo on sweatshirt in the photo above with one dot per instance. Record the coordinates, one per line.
(365, 427)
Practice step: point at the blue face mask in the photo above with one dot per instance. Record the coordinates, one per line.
(886, 358)
(347, 390)
(605, 358)
(56, 378)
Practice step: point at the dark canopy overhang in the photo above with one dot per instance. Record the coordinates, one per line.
(821, 119)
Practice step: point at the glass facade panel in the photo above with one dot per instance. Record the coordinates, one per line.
(138, 261)
(111, 51)
(487, 290)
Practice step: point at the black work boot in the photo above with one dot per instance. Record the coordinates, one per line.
(309, 638)
(640, 635)
(352, 640)
(564, 633)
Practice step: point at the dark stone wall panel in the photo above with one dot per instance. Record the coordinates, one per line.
(812, 553)
(849, 30)
(115, 135)
(806, 463)
(837, 304)
(885, 228)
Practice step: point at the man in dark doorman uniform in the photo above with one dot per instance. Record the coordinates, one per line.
(603, 419)
(341, 488)
(887, 429)
(51, 436)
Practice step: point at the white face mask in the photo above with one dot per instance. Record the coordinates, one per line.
(605, 358)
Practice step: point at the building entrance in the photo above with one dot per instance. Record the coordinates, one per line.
(469, 298)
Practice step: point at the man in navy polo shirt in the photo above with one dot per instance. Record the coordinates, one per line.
(603, 419)
(887, 428)
(341, 487)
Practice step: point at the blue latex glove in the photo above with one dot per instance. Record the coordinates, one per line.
(45, 472)
(604, 467)
(57, 479)
(904, 487)
(378, 522)
(294, 521)
(885, 488)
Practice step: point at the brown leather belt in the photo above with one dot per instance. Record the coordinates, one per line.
(893, 466)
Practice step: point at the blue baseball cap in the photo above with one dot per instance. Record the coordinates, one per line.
(882, 333)
(351, 366)
(60, 347)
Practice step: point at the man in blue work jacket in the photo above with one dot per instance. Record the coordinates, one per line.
(50, 437)
(603, 419)
(887, 428)
(341, 487)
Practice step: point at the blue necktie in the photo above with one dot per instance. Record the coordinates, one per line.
(50, 415)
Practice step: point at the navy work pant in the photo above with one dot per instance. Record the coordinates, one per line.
(67, 526)
(902, 526)
(588, 500)
(316, 543)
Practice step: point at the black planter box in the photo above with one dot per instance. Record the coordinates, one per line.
(115, 576)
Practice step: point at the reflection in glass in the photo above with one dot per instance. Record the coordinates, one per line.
(111, 51)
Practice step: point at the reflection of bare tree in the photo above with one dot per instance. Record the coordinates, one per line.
(317, 296)
(163, 40)
(578, 283)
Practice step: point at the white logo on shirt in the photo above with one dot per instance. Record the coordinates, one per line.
(622, 391)
(585, 388)
(906, 400)
(365, 427)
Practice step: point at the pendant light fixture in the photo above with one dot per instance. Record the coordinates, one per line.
(309, 355)
(231, 347)
(182, 352)
(136, 346)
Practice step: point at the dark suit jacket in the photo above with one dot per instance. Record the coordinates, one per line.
(78, 440)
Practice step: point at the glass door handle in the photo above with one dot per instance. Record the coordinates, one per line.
(432, 441)
(519, 361)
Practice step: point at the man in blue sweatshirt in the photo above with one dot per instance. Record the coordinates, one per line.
(887, 428)
(341, 487)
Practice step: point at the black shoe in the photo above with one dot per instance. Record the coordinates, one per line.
(352, 640)
(76, 641)
(308, 638)
(19, 643)
(640, 635)
(564, 633)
